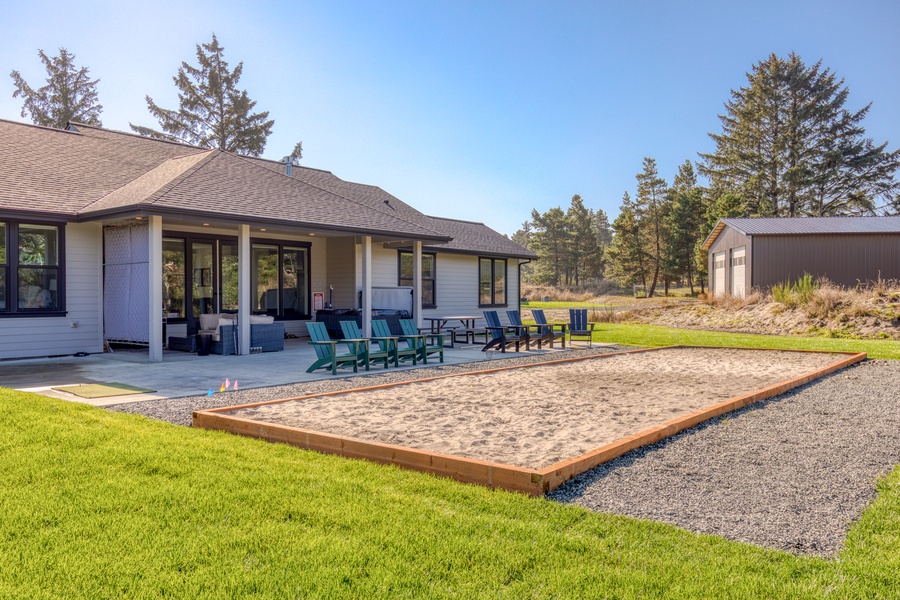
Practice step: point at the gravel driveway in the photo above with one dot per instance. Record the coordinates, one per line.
(790, 473)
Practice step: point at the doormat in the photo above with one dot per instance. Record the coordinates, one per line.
(102, 390)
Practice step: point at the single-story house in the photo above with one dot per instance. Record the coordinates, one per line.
(762, 252)
(109, 236)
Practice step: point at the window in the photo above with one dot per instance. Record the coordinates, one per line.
(31, 271)
(279, 279)
(429, 277)
(491, 282)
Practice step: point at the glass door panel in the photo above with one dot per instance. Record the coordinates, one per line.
(173, 277)
(229, 279)
(202, 282)
(264, 279)
(295, 300)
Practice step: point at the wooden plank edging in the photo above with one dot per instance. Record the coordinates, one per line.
(535, 482)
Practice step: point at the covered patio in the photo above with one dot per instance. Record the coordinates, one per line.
(185, 374)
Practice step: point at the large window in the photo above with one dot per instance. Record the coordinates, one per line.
(429, 276)
(492, 282)
(279, 279)
(31, 269)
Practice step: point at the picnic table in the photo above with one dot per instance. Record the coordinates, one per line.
(466, 328)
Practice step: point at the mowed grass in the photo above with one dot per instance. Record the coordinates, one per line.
(655, 335)
(96, 504)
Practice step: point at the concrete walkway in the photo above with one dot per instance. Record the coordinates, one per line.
(183, 374)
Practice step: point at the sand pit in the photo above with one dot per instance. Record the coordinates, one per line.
(534, 418)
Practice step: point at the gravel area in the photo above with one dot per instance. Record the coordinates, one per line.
(790, 473)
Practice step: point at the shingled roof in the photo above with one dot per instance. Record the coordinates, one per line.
(87, 173)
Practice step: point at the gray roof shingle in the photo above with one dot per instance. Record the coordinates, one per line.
(88, 172)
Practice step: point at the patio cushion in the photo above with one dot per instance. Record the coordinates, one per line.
(208, 322)
(261, 319)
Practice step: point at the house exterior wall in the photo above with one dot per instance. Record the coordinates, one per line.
(53, 336)
(726, 242)
(845, 259)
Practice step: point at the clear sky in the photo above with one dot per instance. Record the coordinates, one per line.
(473, 110)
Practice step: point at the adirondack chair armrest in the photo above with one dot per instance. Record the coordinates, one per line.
(332, 343)
(438, 336)
(393, 338)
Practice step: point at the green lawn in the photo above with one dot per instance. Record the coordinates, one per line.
(96, 504)
(654, 335)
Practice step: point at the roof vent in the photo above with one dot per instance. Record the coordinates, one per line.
(290, 161)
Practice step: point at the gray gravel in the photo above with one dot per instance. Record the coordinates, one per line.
(790, 473)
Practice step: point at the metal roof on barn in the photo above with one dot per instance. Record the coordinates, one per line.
(806, 226)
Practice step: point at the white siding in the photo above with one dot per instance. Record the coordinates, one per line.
(54, 336)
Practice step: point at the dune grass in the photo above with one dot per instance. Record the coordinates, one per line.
(99, 504)
(654, 335)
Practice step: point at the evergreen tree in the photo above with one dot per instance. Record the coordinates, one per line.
(789, 147)
(523, 238)
(627, 260)
(550, 244)
(683, 224)
(213, 112)
(69, 94)
(584, 255)
(652, 207)
(728, 205)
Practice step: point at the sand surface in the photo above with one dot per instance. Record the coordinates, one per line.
(534, 417)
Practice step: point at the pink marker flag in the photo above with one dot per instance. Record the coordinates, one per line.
(227, 383)
(235, 385)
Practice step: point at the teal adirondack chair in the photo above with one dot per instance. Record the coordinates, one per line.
(367, 356)
(580, 326)
(548, 330)
(532, 332)
(326, 350)
(501, 336)
(426, 347)
(403, 346)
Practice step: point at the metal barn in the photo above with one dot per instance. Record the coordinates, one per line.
(759, 253)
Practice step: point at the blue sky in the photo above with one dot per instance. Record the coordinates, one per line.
(470, 110)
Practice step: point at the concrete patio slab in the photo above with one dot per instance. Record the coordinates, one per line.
(183, 374)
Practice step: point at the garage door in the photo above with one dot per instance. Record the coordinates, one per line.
(738, 270)
(719, 274)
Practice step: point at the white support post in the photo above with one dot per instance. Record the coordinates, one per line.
(244, 289)
(155, 273)
(417, 283)
(366, 307)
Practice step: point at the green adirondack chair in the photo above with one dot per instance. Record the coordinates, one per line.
(403, 346)
(367, 356)
(326, 350)
(428, 343)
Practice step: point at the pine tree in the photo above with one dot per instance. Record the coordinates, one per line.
(652, 207)
(550, 244)
(683, 224)
(69, 94)
(213, 112)
(523, 237)
(789, 147)
(626, 257)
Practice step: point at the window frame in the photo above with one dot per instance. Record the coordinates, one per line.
(281, 244)
(494, 303)
(432, 279)
(10, 270)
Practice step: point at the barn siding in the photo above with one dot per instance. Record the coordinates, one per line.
(845, 259)
(55, 336)
(727, 240)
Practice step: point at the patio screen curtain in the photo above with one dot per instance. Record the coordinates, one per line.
(126, 264)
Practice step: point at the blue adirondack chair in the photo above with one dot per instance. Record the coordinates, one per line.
(548, 330)
(580, 326)
(326, 350)
(501, 336)
(367, 356)
(404, 346)
(427, 343)
(532, 332)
